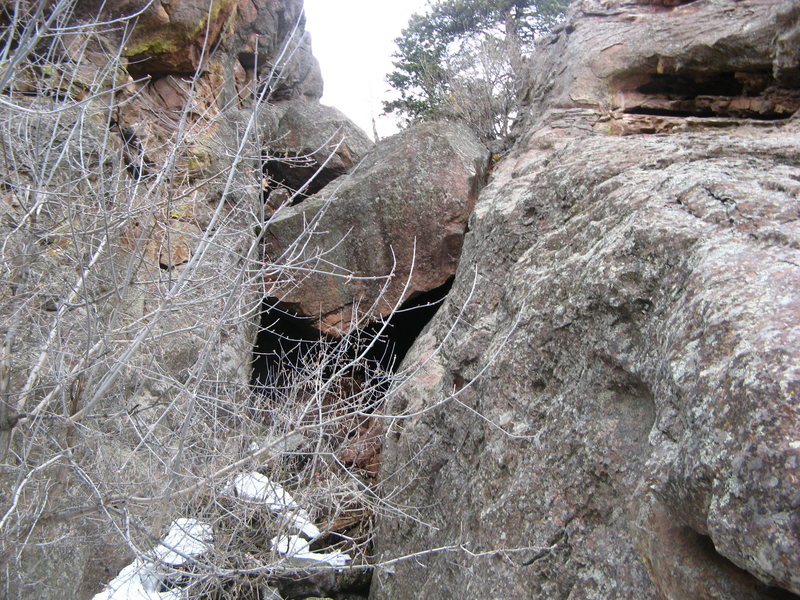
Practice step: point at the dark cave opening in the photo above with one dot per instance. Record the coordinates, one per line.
(667, 3)
(285, 341)
(247, 59)
(688, 85)
(326, 390)
(405, 326)
(289, 342)
(285, 173)
(780, 593)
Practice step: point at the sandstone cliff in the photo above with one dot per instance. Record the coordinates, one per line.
(630, 289)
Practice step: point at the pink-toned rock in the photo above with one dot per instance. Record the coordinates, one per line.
(401, 215)
(636, 429)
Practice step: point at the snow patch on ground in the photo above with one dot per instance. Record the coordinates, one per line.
(259, 488)
(188, 538)
(142, 579)
(293, 546)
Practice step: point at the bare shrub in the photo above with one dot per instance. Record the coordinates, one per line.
(132, 281)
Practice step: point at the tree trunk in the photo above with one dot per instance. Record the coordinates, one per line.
(512, 18)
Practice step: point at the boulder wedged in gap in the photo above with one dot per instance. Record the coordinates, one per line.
(391, 229)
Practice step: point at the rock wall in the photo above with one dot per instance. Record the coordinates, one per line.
(607, 406)
(122, 132)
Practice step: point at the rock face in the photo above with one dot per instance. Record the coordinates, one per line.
(237, 48)
(308, 146)
(239, 40)
(403, 212)
(605, 407)
(635, 429)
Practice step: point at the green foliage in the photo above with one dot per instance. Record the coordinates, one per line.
(463, 52)
(457, 18)
(419, 76)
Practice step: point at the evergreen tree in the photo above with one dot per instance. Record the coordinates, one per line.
(463, 59)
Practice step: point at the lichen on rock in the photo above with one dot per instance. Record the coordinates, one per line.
(635, 436)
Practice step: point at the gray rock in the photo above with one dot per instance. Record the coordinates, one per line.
(634, 431)
(313, 144)
(402, 212)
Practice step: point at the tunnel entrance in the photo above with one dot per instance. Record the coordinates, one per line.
(320, 395)
(286, 341)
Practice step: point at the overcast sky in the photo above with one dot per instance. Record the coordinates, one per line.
(353, 41)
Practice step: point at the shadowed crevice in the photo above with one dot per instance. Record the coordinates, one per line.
(747, 580)
(739, 95)
(286, 173)
(406, 324)
(288, 342)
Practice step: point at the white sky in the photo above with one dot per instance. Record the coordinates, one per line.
(354, 41)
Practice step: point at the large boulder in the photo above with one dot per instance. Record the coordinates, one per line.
(389, 230)
(634, 330)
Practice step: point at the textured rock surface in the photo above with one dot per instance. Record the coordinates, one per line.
(238, 39)
(230, 45)
(402, 212)
(636, 431)
(310, 144)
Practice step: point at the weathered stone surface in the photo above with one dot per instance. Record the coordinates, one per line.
(787, 61)
(403, 212)
(174, 37)
(635, 432)
(311, 144)
(258, 40)
(239, 39)
(180, 37)
(246, 42)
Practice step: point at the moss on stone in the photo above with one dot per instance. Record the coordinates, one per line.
(199, 160)
(163, 39)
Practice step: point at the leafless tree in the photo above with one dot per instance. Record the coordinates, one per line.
(482, 86)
